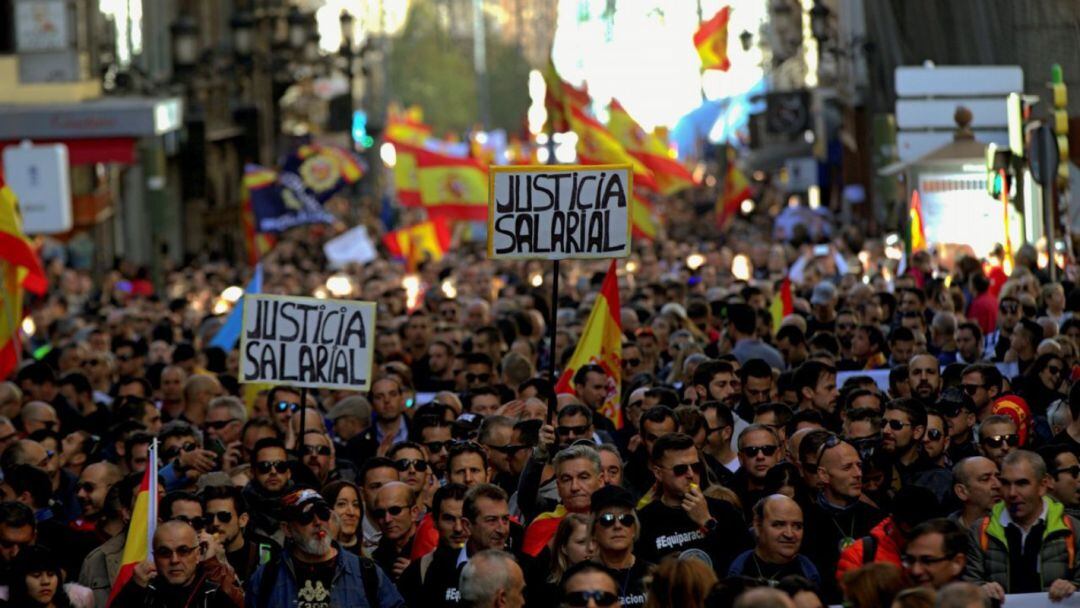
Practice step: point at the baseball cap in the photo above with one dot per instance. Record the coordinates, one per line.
(612, 496)
(296, 502)
(354, 405)
(823, 294)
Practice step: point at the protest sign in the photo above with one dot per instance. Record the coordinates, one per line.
(351, 247)
(307, 342)
(559, 212)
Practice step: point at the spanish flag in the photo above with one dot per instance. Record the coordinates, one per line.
(406, 179)
(541, 530)
(19, 268)
(916, 226)
(430, 239)
(137, 546)
(782, 304)
(601, 343)
(560, 97)
(597, 146)
(671, 175)
(736, 190)
(452, 188)
(643, 220)
(256, 244)
(407, 126)
(711, 41)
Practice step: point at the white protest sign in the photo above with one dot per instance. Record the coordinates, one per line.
(559, 212)
(307, 342)
(354, 246)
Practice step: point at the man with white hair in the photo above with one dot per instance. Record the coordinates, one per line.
(492, 579)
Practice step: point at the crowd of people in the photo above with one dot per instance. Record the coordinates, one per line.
(899, 439)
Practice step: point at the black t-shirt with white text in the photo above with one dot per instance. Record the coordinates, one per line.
(666, 530)
(313, 583)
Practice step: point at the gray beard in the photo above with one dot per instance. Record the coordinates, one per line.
(312, 545)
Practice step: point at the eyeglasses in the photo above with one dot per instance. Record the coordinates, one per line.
(406, 463)
(1053, 369)
(199, 523)
(751, 451)
(394, 511)
(320, 510)
(923, 560)
(608, 520)
(1073, 470)
(971, 389)
(317, 450)
(580, 599)
(934, 434)
(182, 552)
(437, 446)
(631, 362)
(896, 425)
(222, 516)
(566, 431)
(282, 406)
(682, 470)
(217, 425)
(1009, 307)
(471, 377)
(279, 466)
(830, 442)
(996, 441)
(174, 451)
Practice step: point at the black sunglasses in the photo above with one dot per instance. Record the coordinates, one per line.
(173, 452)
(265, 466)
(631, 362)
(282, 406)
(199, 523)
(320, 510)
(896, 425)
(608, 520)
(1009, 307)
(971, 389)
(405, 464)
(681, 470)
(222, 516)
(394, 511)
(751, 451)
(317, 450)
(580, 599)
(935, 434)
(181, 552)
(471, 377)
(576, 430)
(217, 425)
(1073, 470)
(437, 446)
(996, 441)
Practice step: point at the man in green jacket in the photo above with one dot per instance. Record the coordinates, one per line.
(1027, 544)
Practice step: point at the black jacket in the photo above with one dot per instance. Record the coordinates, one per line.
(669, 530)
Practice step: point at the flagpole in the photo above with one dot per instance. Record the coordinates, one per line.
(152, 499)
(299, 447)
(553, 399)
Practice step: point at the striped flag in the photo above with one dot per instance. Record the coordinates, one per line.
(644, 223)
(541, 530)
(597, 146)
(138, 544)
(782, 304)
(671, 175)
(429, 239)
(452, 188)
(406, 179)
(711, 41)
(19, 268)
(601, 343)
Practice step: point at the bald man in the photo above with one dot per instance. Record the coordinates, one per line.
(10, 400)
(199, 391)
(38, 415)
(94, 484)
(778, 522)
(396, 514)
(924, 377)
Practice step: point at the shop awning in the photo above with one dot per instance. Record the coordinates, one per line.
(119, 150)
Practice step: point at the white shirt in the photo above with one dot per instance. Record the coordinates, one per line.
(1005, 519)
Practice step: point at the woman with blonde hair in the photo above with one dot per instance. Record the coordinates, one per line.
(571, 544)
(680, 583)
(872, 585)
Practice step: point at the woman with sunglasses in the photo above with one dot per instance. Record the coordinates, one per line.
(615, 529)
(1041, 386)
(344, 498)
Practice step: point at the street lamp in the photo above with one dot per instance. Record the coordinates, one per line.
(746, 39)
(185, 43)
(243, 28)
(819, 21)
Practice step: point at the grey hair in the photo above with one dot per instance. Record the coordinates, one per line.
(995, 419)
(1034, 460)
(960, 469)
(611, 449)
(575, 452)
(1057, 414)
(234, 405)
(961, 595)
(489, 424)
(484, 574)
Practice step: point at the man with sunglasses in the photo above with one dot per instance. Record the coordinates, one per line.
(997, 341)
(902, 428)
(958, 410)
(682, 518)
(440, 373)
(778, 527)
(395, 513)
(654, 423)
(225, 419)
(589, 585)
(271, 479)
(722, 461)
(615, 529)
(181, 573)
(1064, 470)
(227, 518)
(935, 442)
(759, 451)
(312, 571)
(436, 435)
(998, 437)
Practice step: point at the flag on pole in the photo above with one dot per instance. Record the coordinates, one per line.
(671, 175)
(601, 343)
(1007, 257)
(406, 180)
(19, 268)
(452, 188)
(917, 230)
(560, 97)
(138, 546)
(414, 243)
(643, 220)
(229, 333)
(597, 146)
(711, 40)
(736, 190)
(407, 126)
(782, 304)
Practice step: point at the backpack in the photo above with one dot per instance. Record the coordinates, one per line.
(369, 574)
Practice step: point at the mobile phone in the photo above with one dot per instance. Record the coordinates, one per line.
(820, 250)
(216, 446)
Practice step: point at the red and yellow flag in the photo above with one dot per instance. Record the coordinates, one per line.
(643, 220)
(256, 244)
(597, 146)
(601, 343)
(427, 239)
(542, 530)
(736, 190)
(671, 175)
(918, 232)
(560, 97)
(140, 533)
(19, 268)
(406, 179)
(711, 41)
(452, 188)
(782, 304)
(407, 126)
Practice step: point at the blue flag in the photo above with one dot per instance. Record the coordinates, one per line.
(229, 333)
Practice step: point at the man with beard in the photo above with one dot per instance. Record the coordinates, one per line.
(982, 382)
(94, 484)
(778, 526)
(815, 382)
(654, 423)
(312, 572)
(1064, 470)
(181, 574)
(432, 579)
(440, 372)
(716, 380)
(902, 428)
(719, 426)
(227, 519)
(320, 459)
(272, 479)
(969, 343)
(924, 377)
(977, 486)
(998, 437)
(395, 512)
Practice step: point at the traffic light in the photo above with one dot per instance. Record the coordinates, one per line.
(1060, 123)
(998, 176)
(360, 133)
